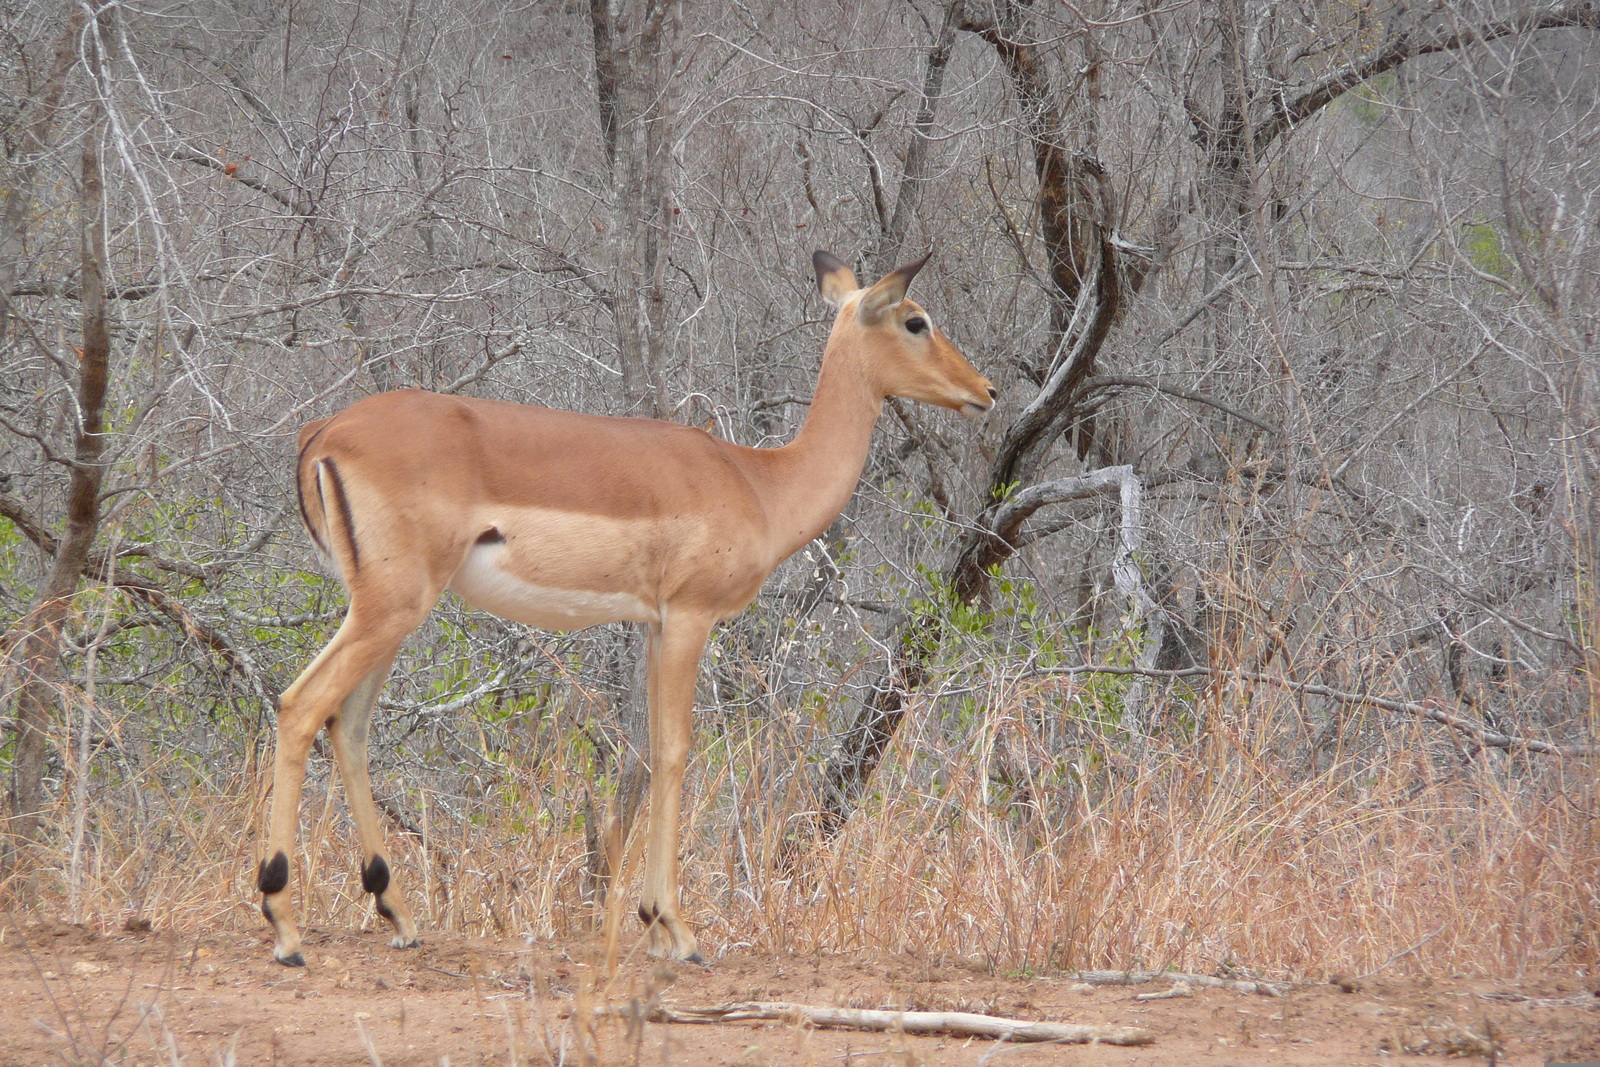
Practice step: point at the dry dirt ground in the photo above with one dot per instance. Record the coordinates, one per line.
(75, 995)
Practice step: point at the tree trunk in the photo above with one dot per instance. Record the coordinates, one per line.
(636, 57)
(915, 175)
(42, 691)
(1070, 186)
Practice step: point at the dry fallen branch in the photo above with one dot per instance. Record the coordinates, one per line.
(1179, 990)
(1266, 989)
(963, 1023)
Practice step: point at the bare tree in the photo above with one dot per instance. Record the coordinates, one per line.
(1095, 273)
(42, 693)
(637, 52)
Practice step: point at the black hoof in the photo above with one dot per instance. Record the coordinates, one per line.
(415, 942)
(695, 957)
(294, 959)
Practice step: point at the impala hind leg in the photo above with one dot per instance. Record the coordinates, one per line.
(349, 736)
(315, 698)
(674, 660)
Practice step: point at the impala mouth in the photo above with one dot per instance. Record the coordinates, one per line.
(973, 409)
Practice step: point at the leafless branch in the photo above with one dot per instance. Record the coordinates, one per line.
(1432, 709)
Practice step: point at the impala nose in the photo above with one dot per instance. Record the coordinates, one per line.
(973, 408)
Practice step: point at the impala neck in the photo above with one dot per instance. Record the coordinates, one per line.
(814, 475)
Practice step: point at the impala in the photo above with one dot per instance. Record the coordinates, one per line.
(562, 521)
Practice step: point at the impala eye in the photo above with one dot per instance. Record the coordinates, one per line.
(916, 324)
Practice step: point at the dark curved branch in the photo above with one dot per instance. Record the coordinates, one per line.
(1285, 114)
(27, 523)
(1068, 181)
(1035, 428)
(1110, 381)
(126, 292)
(1432, 709)
(284, 198)
(101, 565)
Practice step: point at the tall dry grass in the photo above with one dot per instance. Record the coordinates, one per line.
(987, 836)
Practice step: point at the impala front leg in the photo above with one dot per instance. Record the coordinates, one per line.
(676, 645)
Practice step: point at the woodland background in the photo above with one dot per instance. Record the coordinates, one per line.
(1254, 629)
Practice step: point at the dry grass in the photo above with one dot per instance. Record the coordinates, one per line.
(1205, 857)
(981, 840)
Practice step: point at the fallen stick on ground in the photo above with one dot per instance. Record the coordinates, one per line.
(1265, 989)
(911, 1022)
(1179, 989)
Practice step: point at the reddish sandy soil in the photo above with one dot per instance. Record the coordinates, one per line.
(71, 994)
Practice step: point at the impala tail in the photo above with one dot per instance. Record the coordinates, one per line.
(325, 506)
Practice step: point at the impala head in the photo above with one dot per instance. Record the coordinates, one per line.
(904, 352)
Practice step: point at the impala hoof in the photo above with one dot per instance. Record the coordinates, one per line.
(400, 942)
(695, 957)
(293, 959)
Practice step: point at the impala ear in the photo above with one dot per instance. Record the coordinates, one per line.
(890, 290)
(835, 281)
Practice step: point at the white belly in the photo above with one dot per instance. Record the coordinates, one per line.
(481, 583)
